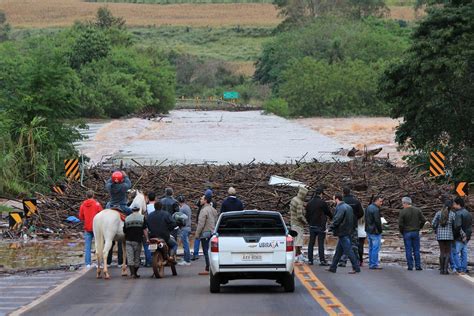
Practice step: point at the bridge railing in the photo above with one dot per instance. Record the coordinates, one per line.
(213, 104)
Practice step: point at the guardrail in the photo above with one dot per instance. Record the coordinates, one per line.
(209, 105)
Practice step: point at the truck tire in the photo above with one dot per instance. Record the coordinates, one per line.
(214, 283)
(289, 282)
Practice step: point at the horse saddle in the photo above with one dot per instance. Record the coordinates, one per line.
(121, 214)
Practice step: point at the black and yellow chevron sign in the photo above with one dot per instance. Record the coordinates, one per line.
(437, 164)
(29, 207)
(71, 166)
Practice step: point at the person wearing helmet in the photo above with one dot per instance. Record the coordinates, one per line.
(117, 186)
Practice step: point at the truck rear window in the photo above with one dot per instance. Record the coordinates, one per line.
(251, 226)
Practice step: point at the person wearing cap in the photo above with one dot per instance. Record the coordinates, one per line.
(185, 231)
(117, 186)
(231, 203)
(134, 229)
(298, 221)
(317, 212)
(410, 221)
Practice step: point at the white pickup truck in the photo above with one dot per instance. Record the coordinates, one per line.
(251, 245)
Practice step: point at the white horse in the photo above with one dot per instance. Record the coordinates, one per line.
(108, 227)
(139, 200)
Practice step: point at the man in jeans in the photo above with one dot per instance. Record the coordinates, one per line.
(317, 212)
(462, 235)
(410, 221)
(185, 231)
(343, 226)
(88, 210)
(373, 228)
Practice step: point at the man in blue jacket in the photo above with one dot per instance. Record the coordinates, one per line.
(231, 203)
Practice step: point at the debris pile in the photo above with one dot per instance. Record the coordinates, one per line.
(366, 179)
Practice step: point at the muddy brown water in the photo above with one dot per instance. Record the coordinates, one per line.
(219, 137)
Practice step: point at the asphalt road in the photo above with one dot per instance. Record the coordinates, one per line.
(392, 291)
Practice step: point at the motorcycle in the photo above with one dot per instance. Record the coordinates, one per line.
(161, 258)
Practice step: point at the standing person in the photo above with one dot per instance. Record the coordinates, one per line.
(231, 203)
(88, 210)
(353, 202)
(150, 207)
(362, 235)
(462, 234)
(373, 228)
(206, 224)
(134, 229)
(207, 193)
(443, 224)
(317, 212)
(117, 186)
(169, 202)
(343, 226)
(185, 231)
(410, 221)
(298, 221)
(170, 205)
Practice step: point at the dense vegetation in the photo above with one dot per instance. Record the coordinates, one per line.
(46, 82)
(331, 66)
(432, 89)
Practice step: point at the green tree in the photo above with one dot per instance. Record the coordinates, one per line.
(90, 44)
(317, 88)
(432, 89)
(4, 27)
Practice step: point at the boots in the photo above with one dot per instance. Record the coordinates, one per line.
(446, 264)
(132, 271)
(136, 275)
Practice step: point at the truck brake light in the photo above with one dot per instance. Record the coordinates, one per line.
(215, 244)
(289, 244)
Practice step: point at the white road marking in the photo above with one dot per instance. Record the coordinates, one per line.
(49, 294)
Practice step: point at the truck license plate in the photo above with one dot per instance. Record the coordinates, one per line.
(251, 257)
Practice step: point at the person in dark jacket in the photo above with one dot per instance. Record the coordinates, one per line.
(462, 235)
(169, 202)
(161, 224)
(410, 221)
(353, 202)
(231, 203)
(117, 186)
(343, 226)
(317, 212)
(373, 227)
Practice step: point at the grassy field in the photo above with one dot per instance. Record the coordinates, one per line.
(228, 44)
(59, 13)
(179, 1)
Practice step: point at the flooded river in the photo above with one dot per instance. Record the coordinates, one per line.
(219, 137)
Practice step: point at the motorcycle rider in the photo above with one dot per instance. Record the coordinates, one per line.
(117, 186)
(161, 224)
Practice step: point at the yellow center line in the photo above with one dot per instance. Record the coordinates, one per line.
(320, 292)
